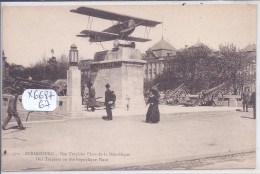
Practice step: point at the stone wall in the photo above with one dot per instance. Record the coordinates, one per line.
(123, 69)
(107, 74)
(133, 83)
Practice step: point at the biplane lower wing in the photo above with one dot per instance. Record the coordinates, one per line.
(97, 36)
(136, 39)
(91, 33)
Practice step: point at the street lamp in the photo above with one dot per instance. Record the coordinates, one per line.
(74, 55)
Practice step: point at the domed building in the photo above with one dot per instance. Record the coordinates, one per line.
(159, 57)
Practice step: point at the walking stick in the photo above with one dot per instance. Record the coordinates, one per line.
(28, 115)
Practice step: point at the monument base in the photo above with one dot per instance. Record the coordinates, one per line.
(74, 105)
(124, 71)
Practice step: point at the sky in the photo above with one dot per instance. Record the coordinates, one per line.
(30, 32)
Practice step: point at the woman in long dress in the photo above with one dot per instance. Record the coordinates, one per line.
(153, 114)
(92, 97)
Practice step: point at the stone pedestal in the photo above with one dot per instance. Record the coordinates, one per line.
(232, 100)
(123, 70)
(74, 99)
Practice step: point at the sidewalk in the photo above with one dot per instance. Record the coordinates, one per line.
(117, 112)
(178, 136)
(164, 109)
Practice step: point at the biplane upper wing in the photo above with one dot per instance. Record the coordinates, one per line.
(136, 39)
(113, 16)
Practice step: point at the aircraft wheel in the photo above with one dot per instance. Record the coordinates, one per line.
(133, 44)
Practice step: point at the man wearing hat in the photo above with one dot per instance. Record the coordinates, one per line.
(245, 98)
(108, 102)
(12, 111)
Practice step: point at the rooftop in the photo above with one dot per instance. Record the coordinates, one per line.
(162, 45)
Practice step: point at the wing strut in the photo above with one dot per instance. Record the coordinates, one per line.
(112, 22)
(100, 44)
(147, 32)
(89, 24)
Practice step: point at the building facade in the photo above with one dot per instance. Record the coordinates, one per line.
(159, 57)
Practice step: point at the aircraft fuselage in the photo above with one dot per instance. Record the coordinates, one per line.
(122, 28)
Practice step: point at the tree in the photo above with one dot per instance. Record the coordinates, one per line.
(51, 69)
(193, 65)
(234, 64)
(201, 68)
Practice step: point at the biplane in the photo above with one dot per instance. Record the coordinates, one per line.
(120, 31)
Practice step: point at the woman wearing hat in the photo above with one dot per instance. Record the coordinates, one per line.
(92, 97)
(153, 114)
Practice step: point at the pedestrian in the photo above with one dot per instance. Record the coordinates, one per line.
(153, 114)
(245, 98)
(12, 111)
(108, 102)
(85, 96)
(92, 97)
(253, 103)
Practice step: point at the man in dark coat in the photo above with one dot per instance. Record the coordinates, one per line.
(12, 111)
(253, 103)
(108, 102)
(92, 97)
(245, 98)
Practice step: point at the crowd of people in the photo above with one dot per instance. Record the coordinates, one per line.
(152, 116)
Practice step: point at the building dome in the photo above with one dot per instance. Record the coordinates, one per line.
(161, 49)
(162, 45)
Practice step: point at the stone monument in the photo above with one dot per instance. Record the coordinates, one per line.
(74, 99)
(123, 69)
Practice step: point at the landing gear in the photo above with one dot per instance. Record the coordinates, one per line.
(117, 44)
(132, 44)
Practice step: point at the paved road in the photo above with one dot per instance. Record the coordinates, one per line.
(94, 144)
(223, 161)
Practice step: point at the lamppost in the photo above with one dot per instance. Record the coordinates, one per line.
(74, 99)
(74, 55)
